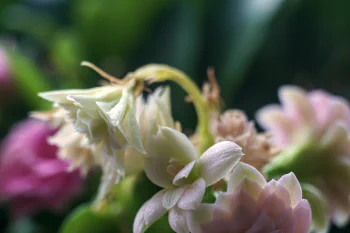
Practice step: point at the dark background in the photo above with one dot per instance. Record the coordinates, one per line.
(255, 46)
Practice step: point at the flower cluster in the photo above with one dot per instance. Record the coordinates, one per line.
(100, 127)
(174, 164)
(312, 130)
(250, 204)
(233, 125)
(209, 181)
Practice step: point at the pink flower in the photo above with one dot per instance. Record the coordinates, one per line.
(32, 178)
(233, 125)
(303, 116)
(251, 205)
(312, 129)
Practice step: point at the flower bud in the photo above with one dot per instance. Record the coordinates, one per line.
(251, 205)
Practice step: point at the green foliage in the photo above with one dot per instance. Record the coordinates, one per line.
(28, 79)
(67, 54)
(122, 24)
(85, 220)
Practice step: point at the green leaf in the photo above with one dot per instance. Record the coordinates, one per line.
(28, 80)
(319, 209)
(85, 220)
(112, 27)
(67, 53)
(178, 44)
(29, 21)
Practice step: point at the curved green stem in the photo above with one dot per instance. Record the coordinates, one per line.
(160, 73)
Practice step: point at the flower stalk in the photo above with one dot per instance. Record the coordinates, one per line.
(160, 73)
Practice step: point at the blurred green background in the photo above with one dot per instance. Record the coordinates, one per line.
(254, 45)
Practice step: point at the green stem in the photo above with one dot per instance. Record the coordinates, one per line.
(160, 73)
(299, 159)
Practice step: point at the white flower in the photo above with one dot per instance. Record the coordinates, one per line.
(72, 145)
(173, 163)
(55, 117)
(75, 148)
(150, 113)
(104, 114)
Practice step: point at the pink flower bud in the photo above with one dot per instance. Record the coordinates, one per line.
(251, 205)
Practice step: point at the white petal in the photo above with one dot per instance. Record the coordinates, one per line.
(178, 220)
(85, 101)
(117, 113)
(242, 171)
(58, 96)
(172, 196)
(178, 180)
(173, 144)
(149, 213)
(112, 174)
(156, 171)
(163, 95)
(218, 161)
(193, 196)
(291, 183)
(131, 130)
(95, 93)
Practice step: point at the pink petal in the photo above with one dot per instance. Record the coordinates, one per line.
(244, 172)
(262, 225)
(203, 214)
(291, 183)
(302, 217)
(274, 206)
(296, 104)
(273, 119)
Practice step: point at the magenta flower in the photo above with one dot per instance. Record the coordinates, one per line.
(312, 129)
(251, 205)
(32, 178)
